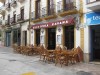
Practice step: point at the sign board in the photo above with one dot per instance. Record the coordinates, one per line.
(93, 18)
(50, 24)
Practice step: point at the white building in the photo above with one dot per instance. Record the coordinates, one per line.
(53, 22)
(92, 30)
(56, 22)
(16, 16)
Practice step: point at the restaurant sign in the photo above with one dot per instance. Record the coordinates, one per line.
(50, 24)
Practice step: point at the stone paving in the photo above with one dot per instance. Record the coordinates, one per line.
(16, 64)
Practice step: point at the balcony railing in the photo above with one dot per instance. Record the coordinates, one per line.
(44, 11)
(66, 7)
(20, 17)
(0, 22)
(13, 3)
(91, 1)
(33, 15)
(59, 6)
(7, 22)
(21, 1)
(51, 10)
(37, 14)
(7, 6)
(12, 20)
(2, 10)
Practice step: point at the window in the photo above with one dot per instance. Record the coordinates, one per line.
(50, 7)
(9, 19)
(68, 4)
(14, 16)
(22, 13)
(37, 10)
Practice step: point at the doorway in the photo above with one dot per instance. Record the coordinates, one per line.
(16, 37)
(25, 37)
(95, 44)
(51, 38)
(37, 37)
(69, 36)
(8, 39)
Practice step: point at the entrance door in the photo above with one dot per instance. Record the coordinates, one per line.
(96, 44)
(25, 37)
(8, 39)
(69, 37)
(51, 38)
(16, 36)
(38, 37)
(19, 37)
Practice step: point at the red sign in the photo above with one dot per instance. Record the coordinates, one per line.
(50, 24)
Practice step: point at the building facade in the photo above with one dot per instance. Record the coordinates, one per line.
(52, 23)
(56, 23)
(16, 21)
(92, 30)
(46, 22)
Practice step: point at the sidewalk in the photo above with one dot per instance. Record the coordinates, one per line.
(17, 64)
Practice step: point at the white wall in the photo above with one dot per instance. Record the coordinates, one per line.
(17, 9)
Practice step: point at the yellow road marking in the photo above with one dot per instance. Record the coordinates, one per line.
(30, 73)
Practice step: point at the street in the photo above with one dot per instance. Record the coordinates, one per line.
(16, 64)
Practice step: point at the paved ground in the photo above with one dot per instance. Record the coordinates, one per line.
(16, 64)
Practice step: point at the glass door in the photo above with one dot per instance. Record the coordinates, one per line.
(51, 38)
(69, 37)
(96, 44)
(38, 37)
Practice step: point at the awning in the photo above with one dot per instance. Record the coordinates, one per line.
(51, 24)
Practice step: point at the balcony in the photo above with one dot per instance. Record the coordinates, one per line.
(7, 22)
(49, 13)
(36, 17)
(93, 4)
(21, 1)
(66, 9)
(20, 17)
(13, 3)
(0, 22)
(7, 6)
(2, 10)
(12, 20)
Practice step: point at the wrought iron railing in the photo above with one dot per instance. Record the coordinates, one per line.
(7, 22)
(44, 12)
(7, 6)
(51, 9)
(11, 20)
(13, 3)
(35, 15)
(66, 6)
(47, 11)
(0, 22)
(20, 17)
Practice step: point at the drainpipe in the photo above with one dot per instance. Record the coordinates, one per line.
(30, 22)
